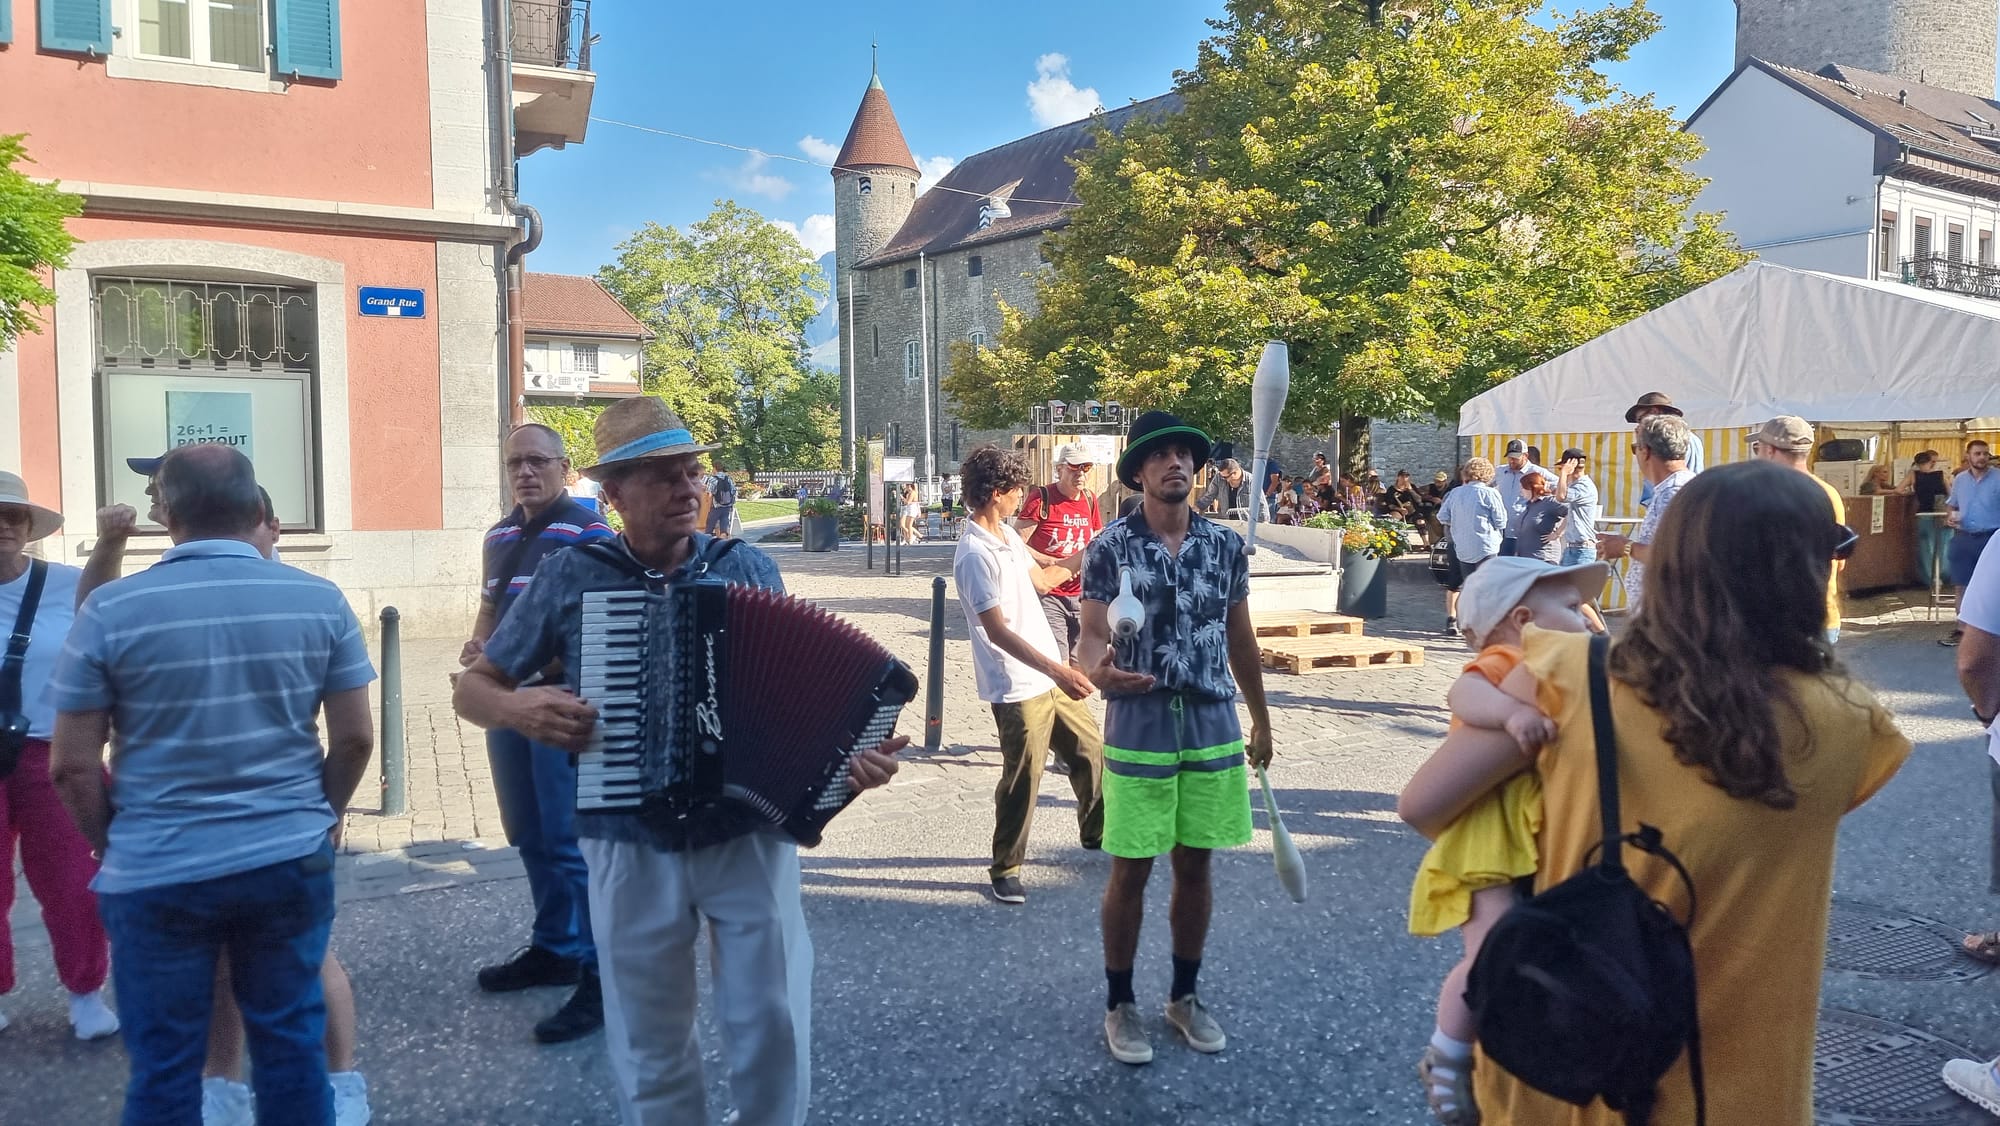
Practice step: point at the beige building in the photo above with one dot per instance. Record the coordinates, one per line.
(582, 345)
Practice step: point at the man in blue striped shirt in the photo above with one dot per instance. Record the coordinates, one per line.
(214, 666)
(535, 785)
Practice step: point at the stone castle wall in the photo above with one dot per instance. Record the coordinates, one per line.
(1947, 43)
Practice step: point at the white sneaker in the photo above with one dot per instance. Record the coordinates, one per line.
(1975, 1080)
(350, 1099)
(90, 1016)
(4, 1022)
(225, 1103)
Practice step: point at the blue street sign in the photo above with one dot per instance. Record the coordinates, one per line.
(382, 301)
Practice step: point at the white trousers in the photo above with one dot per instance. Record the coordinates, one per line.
(646, 910)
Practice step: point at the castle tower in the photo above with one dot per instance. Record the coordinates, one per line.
(1946, 43)
(874, 188)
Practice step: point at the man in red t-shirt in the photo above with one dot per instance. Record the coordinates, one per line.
(1058, 521)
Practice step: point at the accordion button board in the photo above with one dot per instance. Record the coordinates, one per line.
(613, 676)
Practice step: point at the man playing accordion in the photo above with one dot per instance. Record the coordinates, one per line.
(651, 885)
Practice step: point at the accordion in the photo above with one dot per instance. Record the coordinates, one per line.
(710, 693)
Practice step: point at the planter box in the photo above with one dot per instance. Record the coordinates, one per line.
(1364, 585)
(819, 533)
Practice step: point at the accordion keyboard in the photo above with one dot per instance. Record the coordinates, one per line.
(612, 675)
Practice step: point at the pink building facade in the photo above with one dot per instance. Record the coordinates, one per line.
(297, 223)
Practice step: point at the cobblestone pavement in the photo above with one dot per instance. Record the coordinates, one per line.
(936, 1005)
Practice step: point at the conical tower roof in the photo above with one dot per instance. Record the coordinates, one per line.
(875, 138)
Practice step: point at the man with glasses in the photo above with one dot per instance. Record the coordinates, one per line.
(1787, 440)
(1973, 512)
(536, 784)
(1661, 451)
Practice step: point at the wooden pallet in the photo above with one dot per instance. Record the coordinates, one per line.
(1332, 652)
(1303, 623)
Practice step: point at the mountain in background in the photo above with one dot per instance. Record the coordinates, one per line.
(823, 331)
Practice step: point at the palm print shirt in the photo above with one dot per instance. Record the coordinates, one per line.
(1184, 642)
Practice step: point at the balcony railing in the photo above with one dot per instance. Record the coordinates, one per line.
(1953, 275)
(552, 33)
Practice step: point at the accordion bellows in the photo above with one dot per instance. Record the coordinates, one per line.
(709, 692)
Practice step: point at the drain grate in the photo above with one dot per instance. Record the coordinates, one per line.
(1873, 1072)
(1880, 942)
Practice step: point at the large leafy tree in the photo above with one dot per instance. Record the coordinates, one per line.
(728, 300)
(1423, 202)
(33, 240)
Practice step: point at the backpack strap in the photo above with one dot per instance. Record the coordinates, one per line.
(1607, 755)
(17, 643)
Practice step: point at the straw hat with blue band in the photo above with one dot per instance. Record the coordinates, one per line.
(635, 429)
(1149, 432)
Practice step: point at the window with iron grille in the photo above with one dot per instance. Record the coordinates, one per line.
(584, 356)
(184, 362)
(912, 360)
(1885, 244)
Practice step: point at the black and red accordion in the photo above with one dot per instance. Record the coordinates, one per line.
(708, 692)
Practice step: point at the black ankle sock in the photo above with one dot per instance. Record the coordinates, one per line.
(1185, 970)
(1120, 982)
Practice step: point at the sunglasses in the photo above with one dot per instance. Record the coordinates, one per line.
(1845, 539)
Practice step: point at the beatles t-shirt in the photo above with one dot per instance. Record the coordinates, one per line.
(1062, 529)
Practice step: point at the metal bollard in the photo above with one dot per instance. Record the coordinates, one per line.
(395, 773)
(934, 704)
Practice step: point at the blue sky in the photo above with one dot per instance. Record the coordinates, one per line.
(962, 77)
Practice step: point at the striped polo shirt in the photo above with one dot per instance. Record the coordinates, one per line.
(573, 523)
(213, 663)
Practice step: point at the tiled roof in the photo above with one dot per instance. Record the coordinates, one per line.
(875, 138)
(565, 303)
(1035, 167)
(1942, 129)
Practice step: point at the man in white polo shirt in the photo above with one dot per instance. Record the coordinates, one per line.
(1019, 667)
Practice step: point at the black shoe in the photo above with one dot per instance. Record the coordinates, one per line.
(580, 1016)
(1951, 640)
(530, 966)
(1451, 627)
(1093, 845)
(1057, 767)
(1008, 889)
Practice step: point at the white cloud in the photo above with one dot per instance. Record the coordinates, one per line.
(821, 151)
(1053, 98)
(750, 177)
(931, 169)
(816, 233)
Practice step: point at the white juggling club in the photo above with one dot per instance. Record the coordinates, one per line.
(1284, 854)
(1127, 613)
(1268, 391)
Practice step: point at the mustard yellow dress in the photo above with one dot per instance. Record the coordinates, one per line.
(1491, 844)
(1763, 878)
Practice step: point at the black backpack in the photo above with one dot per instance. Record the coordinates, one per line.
(1587, 990)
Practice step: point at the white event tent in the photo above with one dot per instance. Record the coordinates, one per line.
(1768, 340)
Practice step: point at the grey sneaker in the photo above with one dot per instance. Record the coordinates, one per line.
(1125, 1035)
(1008, 889)
(1974, 1079)
(1191, 1017)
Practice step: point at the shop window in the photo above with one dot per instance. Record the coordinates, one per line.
(180, 363)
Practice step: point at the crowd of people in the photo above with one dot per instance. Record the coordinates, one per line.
(196, 871)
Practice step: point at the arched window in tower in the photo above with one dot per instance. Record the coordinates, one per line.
(864, 184)
(978, 341)
(912, 361)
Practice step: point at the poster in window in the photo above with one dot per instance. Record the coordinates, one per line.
(218, 417)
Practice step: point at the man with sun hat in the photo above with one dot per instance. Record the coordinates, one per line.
(652, 885)
(1174, 754)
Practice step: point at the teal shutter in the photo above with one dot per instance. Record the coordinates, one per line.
(6, 22)
(80, 27)
(308, 34)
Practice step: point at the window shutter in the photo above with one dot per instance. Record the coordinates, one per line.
(80, 27)
(6, 23)
(308, 38)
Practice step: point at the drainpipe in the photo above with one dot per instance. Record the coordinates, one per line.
(500, 87)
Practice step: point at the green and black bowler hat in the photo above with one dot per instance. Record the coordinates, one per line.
(1149, 432)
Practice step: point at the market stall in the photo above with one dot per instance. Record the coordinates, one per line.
(1899, 367)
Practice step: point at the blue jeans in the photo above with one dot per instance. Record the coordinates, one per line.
(1576, 553)
(536, 788)
(1933, 542)
(272, 923)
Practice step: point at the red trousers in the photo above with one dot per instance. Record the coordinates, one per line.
(59, 867)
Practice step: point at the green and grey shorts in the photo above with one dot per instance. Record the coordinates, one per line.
(1174, 774)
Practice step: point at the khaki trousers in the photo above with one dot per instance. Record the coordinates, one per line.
(1028, 732)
